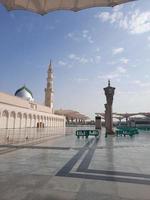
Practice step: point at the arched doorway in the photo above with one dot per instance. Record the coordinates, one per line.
(12, 119)
(4, 119)
(18, 121)
(34, 121)
(29, 121)
(24, 121)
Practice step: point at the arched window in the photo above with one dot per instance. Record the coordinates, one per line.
(19, 115)
(30, 116)
(4, 119)
(13, 114)
(18, 121)
(11, 123)
(24, 121)
(5, 113)
(25, 115)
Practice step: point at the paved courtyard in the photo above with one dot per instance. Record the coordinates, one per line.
(67, 168)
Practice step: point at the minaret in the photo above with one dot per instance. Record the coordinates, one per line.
(49, 88)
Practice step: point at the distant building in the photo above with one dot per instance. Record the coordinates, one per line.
(139, 121)
(21, 111)
(72, 117)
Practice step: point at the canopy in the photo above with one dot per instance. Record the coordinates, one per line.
(44, 6)
(71, 114)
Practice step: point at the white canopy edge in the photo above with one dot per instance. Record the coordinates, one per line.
(45, 6)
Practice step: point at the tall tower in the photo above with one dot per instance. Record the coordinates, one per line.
(109, 93)
(49, 89)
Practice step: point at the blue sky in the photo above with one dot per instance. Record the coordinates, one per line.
(87, 48)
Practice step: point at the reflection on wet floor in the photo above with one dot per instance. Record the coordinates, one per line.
(29, 135)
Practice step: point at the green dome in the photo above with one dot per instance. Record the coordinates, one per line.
(24, 93)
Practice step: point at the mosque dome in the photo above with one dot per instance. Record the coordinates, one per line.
(24, 93)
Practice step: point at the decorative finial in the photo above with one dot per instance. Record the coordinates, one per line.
(108, 83)
(50, 65)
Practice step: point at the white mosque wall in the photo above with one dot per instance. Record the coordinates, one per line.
(18, 113)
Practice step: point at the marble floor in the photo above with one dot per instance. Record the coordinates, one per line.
(67, 168)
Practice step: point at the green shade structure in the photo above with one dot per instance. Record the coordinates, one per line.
(44, 6)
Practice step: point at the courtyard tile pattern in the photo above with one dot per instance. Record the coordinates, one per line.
(74, 169)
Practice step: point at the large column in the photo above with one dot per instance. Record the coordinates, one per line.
(109, 92)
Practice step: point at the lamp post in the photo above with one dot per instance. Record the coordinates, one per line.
(109, 93)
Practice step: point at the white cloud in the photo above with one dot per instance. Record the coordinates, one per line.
(62, 63)
(97, 49)
(97, 59)
(73, 56)
(108, 76)
(117, 50)
(82, 35)
(112, 62)
(121, 70)
(84, 59)
(104, 16)
(137, 81)
(118, 7)
(112, 18)
(124, 60)
(75, 59)
(81, 60)
(141, 83)
(147, 76)
(72, 36)
(135, 22)
(79, 80)
(116, 75)
(134, 66)
(86, 35)
(138, 22)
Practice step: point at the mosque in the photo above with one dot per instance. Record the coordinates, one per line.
(21, 111)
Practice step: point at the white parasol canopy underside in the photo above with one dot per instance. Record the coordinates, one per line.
(45, 6)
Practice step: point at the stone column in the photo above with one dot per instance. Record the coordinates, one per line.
(109, 92)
